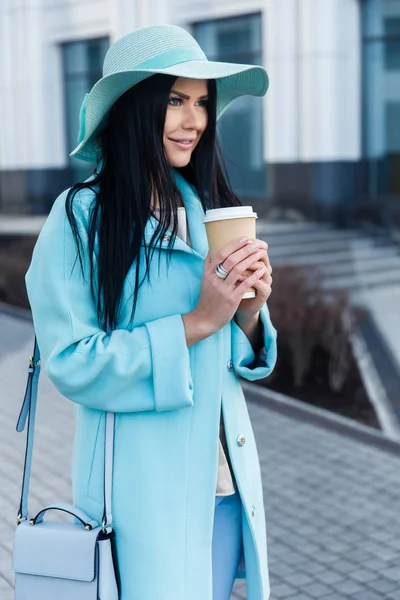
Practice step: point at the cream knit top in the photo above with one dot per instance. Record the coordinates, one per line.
(226, 484)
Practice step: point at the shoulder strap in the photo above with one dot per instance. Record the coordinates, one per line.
(28, 411)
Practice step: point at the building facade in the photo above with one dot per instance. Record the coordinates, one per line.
(324, 143)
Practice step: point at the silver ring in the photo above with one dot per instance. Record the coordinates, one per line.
(221, 272)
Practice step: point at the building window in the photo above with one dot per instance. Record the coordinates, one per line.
(381, 44)
(240, 128)
(82, 67)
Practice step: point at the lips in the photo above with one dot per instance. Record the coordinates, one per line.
(183, 143)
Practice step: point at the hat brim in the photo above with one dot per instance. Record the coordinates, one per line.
(233, 80)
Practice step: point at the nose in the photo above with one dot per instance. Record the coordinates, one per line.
(195, 118)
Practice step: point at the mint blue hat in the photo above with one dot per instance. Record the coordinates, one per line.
(158, 49)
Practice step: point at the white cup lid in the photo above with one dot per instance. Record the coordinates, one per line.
(229, 212)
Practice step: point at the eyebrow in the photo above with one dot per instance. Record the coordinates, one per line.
(185, 97)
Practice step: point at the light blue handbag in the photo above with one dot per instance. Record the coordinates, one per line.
(59, 560)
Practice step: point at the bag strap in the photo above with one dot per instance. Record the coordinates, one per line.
(28, 411)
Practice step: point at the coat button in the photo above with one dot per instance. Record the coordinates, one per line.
(253, 510)
(166, 237)
(240, 440)
(229, 365)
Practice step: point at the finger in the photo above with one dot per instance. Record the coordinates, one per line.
(263, 243)
(265, 278)
(233, 246)
(267, 262)
(249, 281)
(243, 266)
(242, 253)
(264, 284)
(257, 264)
(243, 246)
(265, 258)
(263, 291)
(262, 259)
(259, 260)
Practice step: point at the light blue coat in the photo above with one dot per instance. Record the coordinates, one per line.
(167, 399)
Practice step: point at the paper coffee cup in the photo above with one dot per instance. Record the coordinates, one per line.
(224, 225)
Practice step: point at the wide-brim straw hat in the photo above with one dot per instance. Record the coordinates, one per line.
(164, 49)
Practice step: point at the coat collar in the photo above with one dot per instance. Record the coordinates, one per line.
(195, 216)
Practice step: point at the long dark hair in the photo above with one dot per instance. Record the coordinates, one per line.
(134, 168)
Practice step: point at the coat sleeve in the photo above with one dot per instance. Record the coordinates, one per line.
(245, 363)
(141, 369)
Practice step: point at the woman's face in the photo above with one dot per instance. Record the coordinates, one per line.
(185, 120)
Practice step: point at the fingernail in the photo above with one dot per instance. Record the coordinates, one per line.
(256, 244)
(243, 239)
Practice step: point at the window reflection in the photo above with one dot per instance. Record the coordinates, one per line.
(82, 67)
(381, 25)
(240, 128)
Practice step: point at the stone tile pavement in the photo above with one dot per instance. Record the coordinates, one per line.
(332, 499)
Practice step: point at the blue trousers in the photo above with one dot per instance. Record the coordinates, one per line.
(226, 545)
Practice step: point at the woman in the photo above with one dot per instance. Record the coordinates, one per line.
(160, 342)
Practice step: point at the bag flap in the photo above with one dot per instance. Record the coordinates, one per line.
(54, 549)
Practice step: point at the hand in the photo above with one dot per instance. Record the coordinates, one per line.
(249, 307)
(220, 298)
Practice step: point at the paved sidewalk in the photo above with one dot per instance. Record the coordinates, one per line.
(332, 499)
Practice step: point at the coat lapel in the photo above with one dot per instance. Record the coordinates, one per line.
(195, 216)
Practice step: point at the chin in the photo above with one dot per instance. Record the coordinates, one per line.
(179, 161)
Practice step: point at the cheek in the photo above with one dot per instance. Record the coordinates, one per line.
(171, 122)
(202, 127)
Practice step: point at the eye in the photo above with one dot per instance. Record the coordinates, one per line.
(175, 101)
(203, 102)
